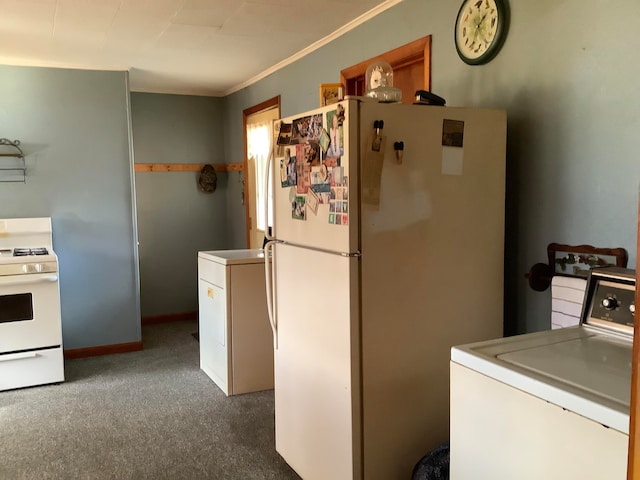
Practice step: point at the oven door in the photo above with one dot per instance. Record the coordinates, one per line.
(29, 312)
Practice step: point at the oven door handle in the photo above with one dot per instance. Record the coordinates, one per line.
(27, 279)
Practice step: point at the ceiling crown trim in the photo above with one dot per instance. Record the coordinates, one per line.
(316, 45)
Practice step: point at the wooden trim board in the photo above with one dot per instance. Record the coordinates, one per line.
(130, 346)
(102, 350)
(170, 317)
(186, 167)
(273, 102)
(633, 470)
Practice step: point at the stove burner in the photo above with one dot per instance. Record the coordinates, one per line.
(20, 252)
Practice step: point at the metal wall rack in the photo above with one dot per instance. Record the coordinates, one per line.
(13, 167)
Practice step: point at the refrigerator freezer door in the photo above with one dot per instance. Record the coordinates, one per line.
(332, 224)
(317, 366)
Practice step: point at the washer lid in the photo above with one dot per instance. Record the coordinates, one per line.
(561, 367)
(597, 364)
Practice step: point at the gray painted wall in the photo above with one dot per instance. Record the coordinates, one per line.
(572, 176)
(175, 219)
(74, 129)
(566, 77)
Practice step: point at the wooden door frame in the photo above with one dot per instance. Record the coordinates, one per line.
(418, 51)
(266, 105)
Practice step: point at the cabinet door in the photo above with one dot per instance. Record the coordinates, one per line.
(212, 301)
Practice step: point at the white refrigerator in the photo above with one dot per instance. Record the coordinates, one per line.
(387, 250)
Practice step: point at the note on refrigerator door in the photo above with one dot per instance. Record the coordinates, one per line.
(452, 146)
(452, 160)
(372, 170)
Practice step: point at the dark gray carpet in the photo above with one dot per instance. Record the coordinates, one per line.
(144, 415)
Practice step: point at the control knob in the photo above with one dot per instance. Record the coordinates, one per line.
(610, 303)
(632, 308)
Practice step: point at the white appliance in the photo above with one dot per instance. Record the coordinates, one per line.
(30, 322)
(387, 250)
(552, 404)
(236, 346)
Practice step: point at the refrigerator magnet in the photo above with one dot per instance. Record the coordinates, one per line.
(324, 141)
(298, 209)
(284, 134)
(336, 136)
(300, 153)
(319, 174)
(288, 171)
(320, 188)
(340, 114)
(283, 172)
(303, 178)
(312, 154)
(337, 176)
(312, 202)
(307, 129)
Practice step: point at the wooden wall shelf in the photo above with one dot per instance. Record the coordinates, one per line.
(186, 167)
(573, 261)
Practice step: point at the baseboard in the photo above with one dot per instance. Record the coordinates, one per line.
(170, 317)
(102, 350)
(131, 346)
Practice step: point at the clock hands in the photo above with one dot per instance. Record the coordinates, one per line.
(480, 30)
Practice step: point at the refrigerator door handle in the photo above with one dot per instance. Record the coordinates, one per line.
(270, 288)
(268, 234)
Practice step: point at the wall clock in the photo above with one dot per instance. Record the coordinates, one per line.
(480, 30)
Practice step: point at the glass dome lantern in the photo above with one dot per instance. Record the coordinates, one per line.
(379, 83)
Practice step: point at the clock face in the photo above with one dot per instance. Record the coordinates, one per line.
(480, 30)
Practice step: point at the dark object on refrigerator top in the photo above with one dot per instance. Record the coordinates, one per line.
(423, 97)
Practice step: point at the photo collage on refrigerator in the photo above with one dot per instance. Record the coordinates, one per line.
(312, 156)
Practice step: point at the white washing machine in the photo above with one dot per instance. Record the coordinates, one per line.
(553, 404)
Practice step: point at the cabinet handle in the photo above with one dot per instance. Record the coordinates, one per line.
(17, 356)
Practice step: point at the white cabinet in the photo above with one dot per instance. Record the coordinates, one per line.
(236, 343)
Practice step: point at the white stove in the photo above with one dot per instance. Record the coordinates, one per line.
(551, 404)
(30, 322)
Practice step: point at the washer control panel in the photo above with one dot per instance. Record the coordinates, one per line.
(610, 299)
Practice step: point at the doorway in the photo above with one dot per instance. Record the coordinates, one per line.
(258, 138)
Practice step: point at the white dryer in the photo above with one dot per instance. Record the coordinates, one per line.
(551, 404)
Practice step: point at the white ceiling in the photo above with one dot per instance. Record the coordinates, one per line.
(200, 47)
